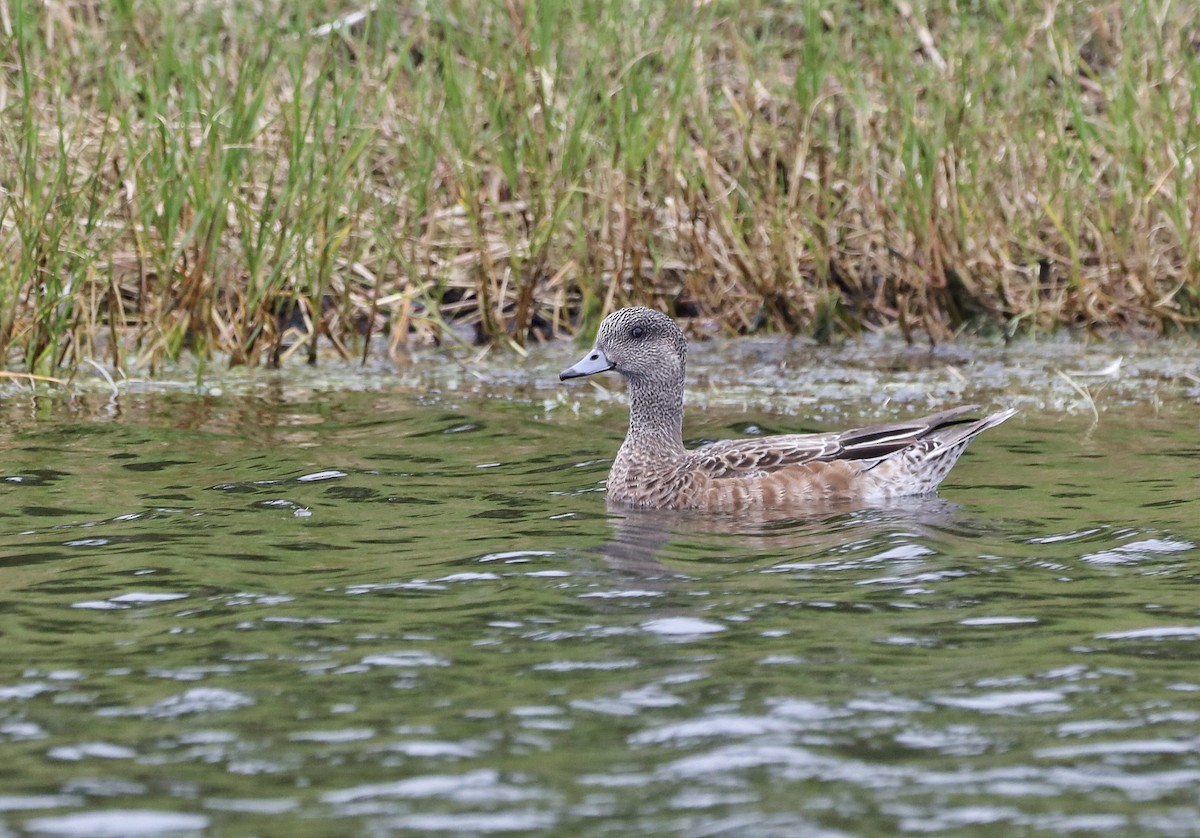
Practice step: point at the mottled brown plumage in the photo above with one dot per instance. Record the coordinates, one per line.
(653, 469)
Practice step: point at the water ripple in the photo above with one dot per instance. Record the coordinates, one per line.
(119, 823)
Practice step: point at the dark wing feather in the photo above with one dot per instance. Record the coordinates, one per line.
(756, 457)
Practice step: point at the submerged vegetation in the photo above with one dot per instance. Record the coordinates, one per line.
(262, 178)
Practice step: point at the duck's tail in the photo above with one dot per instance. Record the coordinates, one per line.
(917, 469)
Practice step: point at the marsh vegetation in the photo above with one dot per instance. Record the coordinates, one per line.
(262, 179)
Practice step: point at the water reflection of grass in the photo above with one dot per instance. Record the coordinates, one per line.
(251, 177)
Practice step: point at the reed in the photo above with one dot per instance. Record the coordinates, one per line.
(257, 180)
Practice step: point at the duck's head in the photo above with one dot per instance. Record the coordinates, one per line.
(639, 343)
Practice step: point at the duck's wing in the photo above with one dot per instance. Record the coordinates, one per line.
(867, 446)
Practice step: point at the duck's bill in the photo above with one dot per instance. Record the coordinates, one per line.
(590, 364)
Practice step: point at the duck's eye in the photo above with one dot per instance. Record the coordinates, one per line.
(637, 332)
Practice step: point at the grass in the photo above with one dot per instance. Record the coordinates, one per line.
(256, 180)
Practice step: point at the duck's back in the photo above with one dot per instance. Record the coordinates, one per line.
(800, 470)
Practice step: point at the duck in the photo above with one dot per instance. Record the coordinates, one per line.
(653, 469)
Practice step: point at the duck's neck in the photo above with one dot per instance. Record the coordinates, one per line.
(655, 418)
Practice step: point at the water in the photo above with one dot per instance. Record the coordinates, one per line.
(402, 608)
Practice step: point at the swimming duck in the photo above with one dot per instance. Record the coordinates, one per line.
(652, 469)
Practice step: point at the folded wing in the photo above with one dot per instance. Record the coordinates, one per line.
(763, 456)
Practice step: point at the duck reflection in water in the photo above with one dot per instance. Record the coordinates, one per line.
(641, 538)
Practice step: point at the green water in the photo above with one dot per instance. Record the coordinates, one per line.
(404, 609)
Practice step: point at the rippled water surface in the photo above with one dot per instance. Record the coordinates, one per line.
(402, 608)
